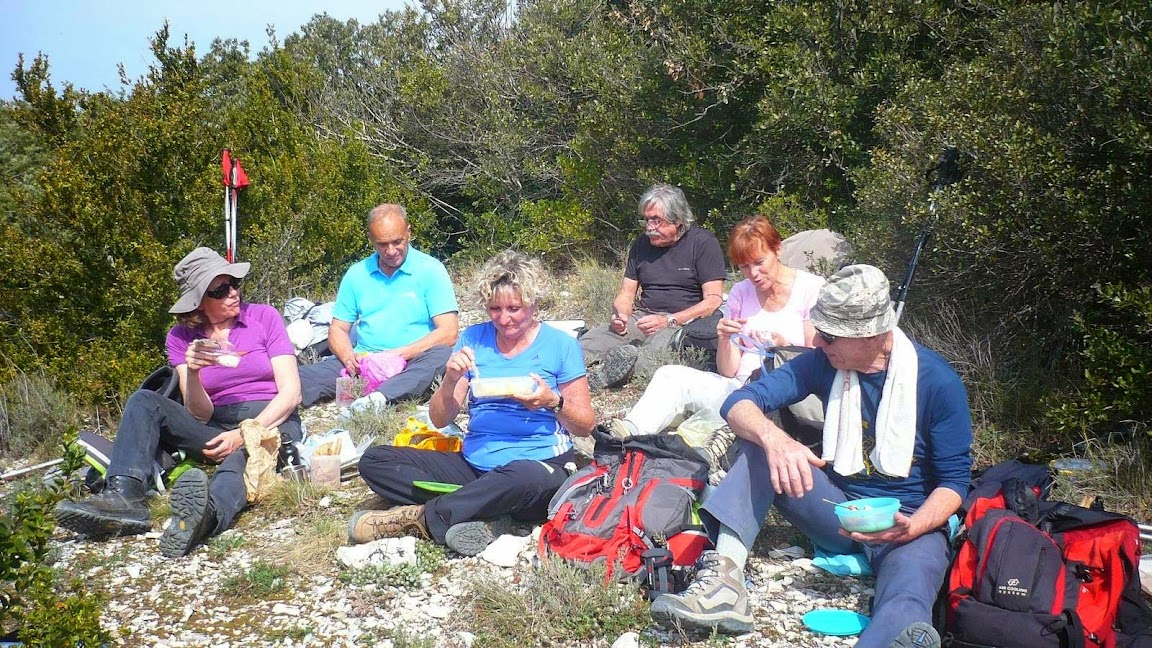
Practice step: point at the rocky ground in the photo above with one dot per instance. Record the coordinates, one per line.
(269, 581)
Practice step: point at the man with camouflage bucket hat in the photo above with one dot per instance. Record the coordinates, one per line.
(896, 425)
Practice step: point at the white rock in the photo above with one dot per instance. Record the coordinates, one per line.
(287, 610)
(627, 640)
(133, 571)
(438, 611)
(787, 552)
(466, 638)
(504, 550)
(324, 502)
(389, 551)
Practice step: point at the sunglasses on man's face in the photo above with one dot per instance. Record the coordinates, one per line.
(223, 290)
(827, 338)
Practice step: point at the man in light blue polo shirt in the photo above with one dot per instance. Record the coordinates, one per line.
(400, 300)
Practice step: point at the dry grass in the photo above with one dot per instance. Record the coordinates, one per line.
(34, 414)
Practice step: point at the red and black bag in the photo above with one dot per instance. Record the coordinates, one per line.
(1030, 572)
(632, 509)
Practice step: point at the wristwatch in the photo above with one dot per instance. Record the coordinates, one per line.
(555, 409)
(672, 320)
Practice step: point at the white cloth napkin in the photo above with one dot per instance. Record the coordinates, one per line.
(895, 420)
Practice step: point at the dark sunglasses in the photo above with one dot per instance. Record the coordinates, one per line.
(224, 289)
(827, 338)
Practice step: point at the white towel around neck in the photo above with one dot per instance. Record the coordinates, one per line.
(895, 420)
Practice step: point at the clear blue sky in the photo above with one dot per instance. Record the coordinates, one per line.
(85, 39)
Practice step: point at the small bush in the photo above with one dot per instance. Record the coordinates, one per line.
(555, 604)
(261, 580)
(31, 602)
(591, 289)
(429, 558)
(33, 411)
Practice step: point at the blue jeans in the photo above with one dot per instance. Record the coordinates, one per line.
(318, 380)
(908, 576)
(152, 421)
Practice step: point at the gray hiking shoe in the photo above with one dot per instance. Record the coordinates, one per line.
(470, 538)
(617, 366)
(917, 635)
(716, 599)
(193, 515)
(617, 428)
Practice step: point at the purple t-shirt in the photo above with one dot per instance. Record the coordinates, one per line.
(259, 335)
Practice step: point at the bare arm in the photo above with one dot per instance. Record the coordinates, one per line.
(711, 290)
(727, 354)
(576, 416)
(446, 330)
(287, 399)
(449, 398)
(196, 400)
(623, 303)
(933, 514)
(789, 460)
(340, 344)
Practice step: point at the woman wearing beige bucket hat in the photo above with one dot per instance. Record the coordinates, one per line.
(235, 362)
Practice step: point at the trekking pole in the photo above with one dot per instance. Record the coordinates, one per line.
(16, 473)
(945, 172)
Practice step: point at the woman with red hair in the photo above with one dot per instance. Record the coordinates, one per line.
(769, 308)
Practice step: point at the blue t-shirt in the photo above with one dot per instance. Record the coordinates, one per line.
(390, 312)
(942, 456)
(501, 430)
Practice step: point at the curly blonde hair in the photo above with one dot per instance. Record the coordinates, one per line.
(515, 274)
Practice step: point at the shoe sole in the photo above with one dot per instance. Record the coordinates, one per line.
(471, 538)
(189, 501)
(618, 365)
(97, 526)
(730, 623)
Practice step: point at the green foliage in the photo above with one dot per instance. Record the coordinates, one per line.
(1115, 394)
(31, 600)
(259, 581)
(429, 558)
(556, 603)
(33, 412)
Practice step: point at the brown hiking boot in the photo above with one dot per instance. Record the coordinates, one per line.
(366, 526)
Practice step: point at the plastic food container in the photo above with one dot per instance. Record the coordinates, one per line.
(868, 515)
(511, 386)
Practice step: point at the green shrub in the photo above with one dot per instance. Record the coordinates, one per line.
(31, 600)
(429, 558)
(1115, 393)
(555, 604)
(32, 413)
(262, 579)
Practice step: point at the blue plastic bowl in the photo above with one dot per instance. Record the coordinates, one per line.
(868, 515)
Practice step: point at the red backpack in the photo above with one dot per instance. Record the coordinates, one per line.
(1030, 572)
(632, 509)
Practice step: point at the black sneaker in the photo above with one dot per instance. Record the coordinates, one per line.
(618, 365)
(193, 515)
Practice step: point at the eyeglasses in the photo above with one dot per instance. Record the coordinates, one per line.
(653, 220)
(827, 338)
(223, 290)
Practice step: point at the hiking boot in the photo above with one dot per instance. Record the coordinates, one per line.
(719, 448)
(595, 380)
(618, 364)
(120, 509)
(366, 526)
(585, 447)
(715, 600)
(617, 428)
(470, 538)
(193, 515)
(917, 635)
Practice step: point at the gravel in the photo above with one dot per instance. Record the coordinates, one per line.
(193, 601)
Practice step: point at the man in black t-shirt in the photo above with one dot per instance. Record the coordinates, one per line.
(677, 268)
